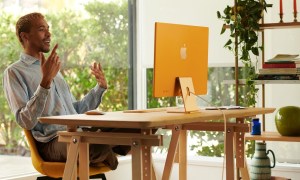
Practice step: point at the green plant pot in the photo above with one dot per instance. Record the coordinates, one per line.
(287, 120)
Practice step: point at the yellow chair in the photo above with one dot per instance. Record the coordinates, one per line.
(56, 169)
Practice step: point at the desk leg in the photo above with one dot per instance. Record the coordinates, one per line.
(240, 146)
(171, 153)
(241, 162)
(73, 150)
(148, 171)
(229, 154)
(244, 171)
(182, 155)
(84, 161)
(137, 170)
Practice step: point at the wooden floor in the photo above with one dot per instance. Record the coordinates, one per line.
(20, 168)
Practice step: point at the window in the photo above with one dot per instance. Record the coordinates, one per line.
(86, 32)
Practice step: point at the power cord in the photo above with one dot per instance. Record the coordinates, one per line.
(225, 127)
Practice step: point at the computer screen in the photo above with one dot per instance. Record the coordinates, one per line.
(180, 51)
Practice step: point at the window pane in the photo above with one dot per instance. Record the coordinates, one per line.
(87, 32)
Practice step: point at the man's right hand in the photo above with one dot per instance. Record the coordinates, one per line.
(49, 67)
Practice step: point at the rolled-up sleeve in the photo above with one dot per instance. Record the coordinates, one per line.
(25, 108)
(90, 101)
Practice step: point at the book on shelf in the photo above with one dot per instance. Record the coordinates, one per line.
(270, 61)
(277, 77)
(279, 71)
(279, 65)
(285, 58)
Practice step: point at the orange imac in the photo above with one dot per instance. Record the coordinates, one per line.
(180, 62)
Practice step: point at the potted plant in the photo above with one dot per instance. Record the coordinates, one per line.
(242, 20)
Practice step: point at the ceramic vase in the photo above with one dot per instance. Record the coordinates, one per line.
(260, 168)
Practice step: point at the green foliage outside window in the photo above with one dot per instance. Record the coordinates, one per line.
(9, 52)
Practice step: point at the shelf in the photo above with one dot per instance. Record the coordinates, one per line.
(286, 25)
(277, 81)
(258, 82)
(271, 136)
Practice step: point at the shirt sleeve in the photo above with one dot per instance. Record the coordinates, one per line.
(90, 101)
(26, 109)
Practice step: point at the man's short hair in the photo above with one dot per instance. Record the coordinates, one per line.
(25, 22)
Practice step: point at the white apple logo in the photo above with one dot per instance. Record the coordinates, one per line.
(183, 52)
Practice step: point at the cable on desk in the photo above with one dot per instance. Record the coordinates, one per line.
(225, 127)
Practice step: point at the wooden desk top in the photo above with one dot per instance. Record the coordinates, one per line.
(150, 119)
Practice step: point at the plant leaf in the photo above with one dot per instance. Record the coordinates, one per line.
(255, 51)
(228, 43)
(223, 29)
(219, 14)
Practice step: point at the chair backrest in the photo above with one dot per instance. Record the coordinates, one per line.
(52, 169)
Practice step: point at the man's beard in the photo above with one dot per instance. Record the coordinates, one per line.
(45, 50)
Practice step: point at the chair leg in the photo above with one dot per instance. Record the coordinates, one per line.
(47, 178)
(102, 176)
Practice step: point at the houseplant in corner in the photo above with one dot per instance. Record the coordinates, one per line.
(242, 20)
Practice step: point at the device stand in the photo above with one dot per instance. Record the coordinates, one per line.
(189, 100)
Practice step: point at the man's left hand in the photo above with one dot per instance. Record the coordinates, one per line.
(99, 75)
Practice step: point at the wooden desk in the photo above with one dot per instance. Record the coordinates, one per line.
(141, 143)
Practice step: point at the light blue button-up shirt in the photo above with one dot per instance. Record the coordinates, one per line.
(28, 100)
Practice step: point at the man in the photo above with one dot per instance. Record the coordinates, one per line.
(34, 87)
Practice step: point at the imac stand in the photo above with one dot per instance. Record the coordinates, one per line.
(189, 100)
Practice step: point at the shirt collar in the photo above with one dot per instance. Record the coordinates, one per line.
(27, 59)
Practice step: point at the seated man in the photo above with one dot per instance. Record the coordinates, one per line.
(34, 87)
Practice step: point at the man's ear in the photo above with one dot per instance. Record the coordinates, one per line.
(23, 37)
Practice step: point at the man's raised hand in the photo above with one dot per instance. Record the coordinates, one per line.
(49, 67)
(99, 75)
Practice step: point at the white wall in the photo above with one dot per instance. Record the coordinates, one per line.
(191, 12)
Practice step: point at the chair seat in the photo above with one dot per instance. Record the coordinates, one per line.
(54, 169)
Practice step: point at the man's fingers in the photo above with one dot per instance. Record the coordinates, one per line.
(95, 66)
(42, 57)
(100, 67)
(96, 74)
(54, 50)
(56, 59)
(59, 64)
